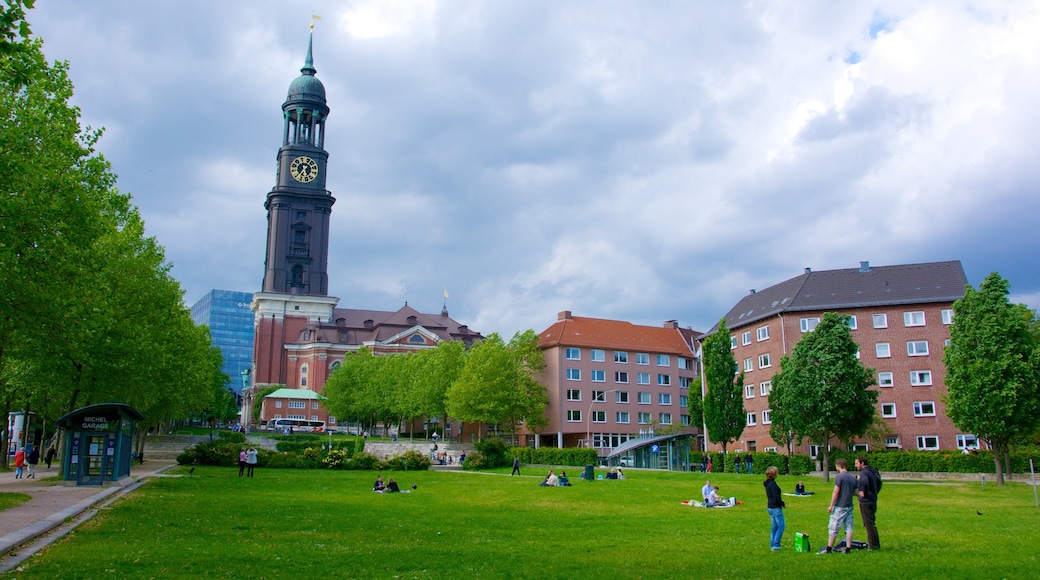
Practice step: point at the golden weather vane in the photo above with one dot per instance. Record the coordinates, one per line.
(313, 18)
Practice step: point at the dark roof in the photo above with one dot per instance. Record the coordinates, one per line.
(120, 408)
(363, 326)
(861, 287)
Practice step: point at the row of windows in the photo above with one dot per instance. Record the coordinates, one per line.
(621, 378)
(621, 357)
(921, 409)
(624, 417)
(764, 388)
(910, 319)
(767, 418)
(295, 405)
(764, 362)
(913, 348)
(917, 379)
(574, 395)
(313, 417)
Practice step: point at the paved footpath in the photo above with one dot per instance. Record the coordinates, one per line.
(53, 504)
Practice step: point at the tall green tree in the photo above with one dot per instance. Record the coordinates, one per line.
(498, 384)
(724, 416)
(993, 368)
(822, 391)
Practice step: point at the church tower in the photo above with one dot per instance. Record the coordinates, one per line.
(296, 280)
(299, 206)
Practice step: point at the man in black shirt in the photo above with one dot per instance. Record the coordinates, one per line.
(868, 492)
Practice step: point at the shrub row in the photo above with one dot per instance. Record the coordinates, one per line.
(943, 461)
(723, 463)
(576, 456)
(344, 455)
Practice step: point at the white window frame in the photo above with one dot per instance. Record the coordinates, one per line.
(642, 378)
(664, 418)
(885, 380)
(765, 387)
(892, 442)
(749, 391)
(277, 404)
(621, 377)
(644, 398)
(947, 316)
(808, 324)
(599, 397)
(767, 417)
(765, 361)
(621, 417)
(882, 350)
(733, 342)
(621, 397)
(642, 358)
(599, 416)
(851, 322)
(745, 337)
(664, 380)
(664, 360)
(572, 353)
(752, 419)
(297, 404)
(574, 415)
(879, 320)
(645, 418)
(920, 378)
(913, 318)
(684, 401)
(917, 348)
(597, 355)
(762, 333)
(963, 441)
(574, 395)
(621, 357)
(599, 376)
(888, 410)
(923, 440)
(573, 374)
(664, 399)
(920, 409)
(682, 362)
(749, 365)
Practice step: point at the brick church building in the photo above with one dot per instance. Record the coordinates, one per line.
(301, 335)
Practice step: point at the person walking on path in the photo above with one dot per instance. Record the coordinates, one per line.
(869, 485)
(33, 460)
(51, 452)
(841, 507)
(516, 466)
(250, 461)
(775, 507)
(19, 463)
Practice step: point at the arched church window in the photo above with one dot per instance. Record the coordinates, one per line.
(297, 275)
(303, 375)
(417, 338)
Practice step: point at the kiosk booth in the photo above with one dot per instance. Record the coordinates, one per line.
(98, 443)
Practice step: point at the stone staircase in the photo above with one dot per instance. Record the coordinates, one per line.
(168, 447)
(387, 449)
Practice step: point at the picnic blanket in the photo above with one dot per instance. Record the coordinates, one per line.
(800, 494)
(725, 504)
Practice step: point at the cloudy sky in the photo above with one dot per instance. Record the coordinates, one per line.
(641, 161)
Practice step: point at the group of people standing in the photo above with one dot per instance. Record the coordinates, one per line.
(247, 462)
(865, 488)
(25, 463)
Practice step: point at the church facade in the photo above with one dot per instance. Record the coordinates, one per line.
(300, 335)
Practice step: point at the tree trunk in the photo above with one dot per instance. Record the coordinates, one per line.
(997, 452)
(1007, 462)
(826, 463)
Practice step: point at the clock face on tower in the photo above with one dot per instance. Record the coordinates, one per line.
(303, 169)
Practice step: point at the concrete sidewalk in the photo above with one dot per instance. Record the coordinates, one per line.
(52, 503)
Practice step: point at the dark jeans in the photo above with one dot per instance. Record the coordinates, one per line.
(867, 511)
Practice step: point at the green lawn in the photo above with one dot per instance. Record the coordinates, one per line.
(9, 500)
(308, 524)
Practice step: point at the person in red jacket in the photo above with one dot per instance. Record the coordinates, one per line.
(19, 463)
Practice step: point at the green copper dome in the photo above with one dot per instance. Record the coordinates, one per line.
(307, 87)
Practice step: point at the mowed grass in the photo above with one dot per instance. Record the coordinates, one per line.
(305, 524)
(9, 500)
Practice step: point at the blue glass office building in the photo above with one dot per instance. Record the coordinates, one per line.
(230, 324)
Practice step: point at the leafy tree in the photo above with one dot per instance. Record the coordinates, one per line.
(993, 368)
(724, 416)
(498, 384)
(823, 391)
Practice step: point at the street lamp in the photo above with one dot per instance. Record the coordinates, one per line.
(588, 420)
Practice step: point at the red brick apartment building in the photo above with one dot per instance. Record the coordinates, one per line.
(899, 315)
(612, 381)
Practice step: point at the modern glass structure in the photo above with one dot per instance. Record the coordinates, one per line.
(230, 324)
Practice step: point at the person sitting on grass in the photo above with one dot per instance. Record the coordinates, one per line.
(563, 481)
(378, 485)
(551, 480)
(713, 498)
(799, 489)
(392, 487)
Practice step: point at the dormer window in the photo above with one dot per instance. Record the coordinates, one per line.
(341, 322)
(369, 323)
(412, 320)
(464, 329)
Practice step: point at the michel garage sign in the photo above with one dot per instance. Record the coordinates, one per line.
(99, 423)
